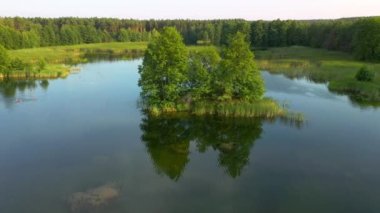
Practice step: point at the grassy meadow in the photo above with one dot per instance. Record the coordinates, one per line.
(59, 58)
(63, 54)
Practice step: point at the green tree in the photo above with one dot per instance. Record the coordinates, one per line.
(124, 35)
(164, 68)
(4, 59)
(233, 26)
(30, 39)
(48, 36)
(89, 34)
(10, 38)
(258, 34)
(238, 76)
(202, 65)
(70, 35)
(367, 39)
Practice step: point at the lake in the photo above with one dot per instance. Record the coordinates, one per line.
(62, 138)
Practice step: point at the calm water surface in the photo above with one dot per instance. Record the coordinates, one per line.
(76, 134)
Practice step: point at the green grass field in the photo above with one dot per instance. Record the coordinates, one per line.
(58, 56)
(62, 54)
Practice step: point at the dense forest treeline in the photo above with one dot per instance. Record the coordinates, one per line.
(360, 36)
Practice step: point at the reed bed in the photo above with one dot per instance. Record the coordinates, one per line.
(51, 71)
(265, 108)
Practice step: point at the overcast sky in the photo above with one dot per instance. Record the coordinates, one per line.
(192, 9)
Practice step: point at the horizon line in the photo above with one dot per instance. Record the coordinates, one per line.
(187, 19)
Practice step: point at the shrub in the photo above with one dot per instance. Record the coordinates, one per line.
(17, 64)
(365, 75)
(41, 64)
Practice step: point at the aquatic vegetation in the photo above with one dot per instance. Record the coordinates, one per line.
(93, 198)
(265, 108)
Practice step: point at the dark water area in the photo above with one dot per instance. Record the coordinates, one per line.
(69, 139)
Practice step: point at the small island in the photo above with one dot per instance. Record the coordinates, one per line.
(204, 82)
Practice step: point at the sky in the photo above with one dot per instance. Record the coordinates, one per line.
(192, 9)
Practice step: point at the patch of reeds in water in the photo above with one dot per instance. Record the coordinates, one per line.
(33, 75)
(265, 108)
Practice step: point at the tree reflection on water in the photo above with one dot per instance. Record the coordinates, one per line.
(18, 91)
(168, 141)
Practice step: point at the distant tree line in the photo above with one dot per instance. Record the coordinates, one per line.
(360, 36)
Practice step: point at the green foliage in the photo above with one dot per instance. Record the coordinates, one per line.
(70, 35)
(41, 64)
(28, 67)
(89, 34)
(364, 74)
(164, 68)
(367, 39)
(230, 28)
(357, 35)
(231, 85)
(258, 31)
(30, 39)
(49, 36)
(238, 76)
(61, 54)
(126, 35)
(17, 64)
(169, 77)
(10, 38)
(202, 66)
(4, 59)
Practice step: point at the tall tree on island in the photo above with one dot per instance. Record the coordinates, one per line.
(164, 68)
(238, 76)
(202, 66)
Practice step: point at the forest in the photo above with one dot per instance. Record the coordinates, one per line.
(358, 36)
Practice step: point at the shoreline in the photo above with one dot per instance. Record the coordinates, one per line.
(318, 65)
